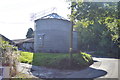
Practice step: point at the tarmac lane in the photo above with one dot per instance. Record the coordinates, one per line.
(101, 68)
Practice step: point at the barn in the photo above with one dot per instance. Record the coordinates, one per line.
(25, 44)
(52, 34)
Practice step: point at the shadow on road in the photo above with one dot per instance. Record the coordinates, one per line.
(104, 55)
(89, 72)
(117, 56)
(95, 73)
(98, 56)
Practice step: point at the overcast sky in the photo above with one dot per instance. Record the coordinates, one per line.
(15, 15)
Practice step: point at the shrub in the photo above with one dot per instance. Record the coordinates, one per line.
(87, 58)
(9, 56)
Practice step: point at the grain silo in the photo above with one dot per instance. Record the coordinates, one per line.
(52, 34)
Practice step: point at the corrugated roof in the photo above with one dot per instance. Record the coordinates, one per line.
(19, 41)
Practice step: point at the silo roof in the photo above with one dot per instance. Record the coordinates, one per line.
(53, 15)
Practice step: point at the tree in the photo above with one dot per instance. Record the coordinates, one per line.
(90, 12)
(97, 24)
(30, 33)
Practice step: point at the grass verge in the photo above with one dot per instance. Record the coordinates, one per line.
(26, 57)
(59, 61)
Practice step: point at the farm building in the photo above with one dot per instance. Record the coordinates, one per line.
(52, 34)
(6, 39)
(25, 44)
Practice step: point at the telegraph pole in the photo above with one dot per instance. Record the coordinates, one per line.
(71, 38)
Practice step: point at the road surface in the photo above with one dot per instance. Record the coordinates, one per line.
(102, 68)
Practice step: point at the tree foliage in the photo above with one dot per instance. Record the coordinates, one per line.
(30, 33)
(97, 25)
